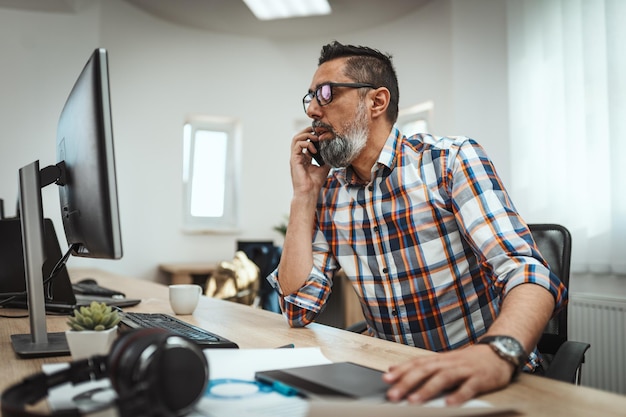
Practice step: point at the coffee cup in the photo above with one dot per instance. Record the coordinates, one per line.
(184, 298)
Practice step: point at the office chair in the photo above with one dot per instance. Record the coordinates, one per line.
(563, 358)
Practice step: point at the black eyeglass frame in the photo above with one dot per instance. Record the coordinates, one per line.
(308, 97)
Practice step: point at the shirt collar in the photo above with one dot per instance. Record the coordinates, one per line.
(386, 159)
(387, 156)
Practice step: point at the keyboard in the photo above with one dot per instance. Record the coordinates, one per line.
(89, 286)
(204, 338)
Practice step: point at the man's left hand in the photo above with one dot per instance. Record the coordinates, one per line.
(460, 374)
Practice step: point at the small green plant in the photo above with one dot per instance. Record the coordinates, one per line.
(98, 316)
(282, 227)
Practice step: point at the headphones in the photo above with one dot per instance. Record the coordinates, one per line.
(153, 372)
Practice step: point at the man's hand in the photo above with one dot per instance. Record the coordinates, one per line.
(460, 374)
(306, 177)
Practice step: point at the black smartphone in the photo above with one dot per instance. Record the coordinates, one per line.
(317, 156)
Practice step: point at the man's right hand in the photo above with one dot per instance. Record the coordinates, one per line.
(307, 178)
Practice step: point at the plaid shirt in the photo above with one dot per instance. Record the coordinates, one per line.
(431, 244)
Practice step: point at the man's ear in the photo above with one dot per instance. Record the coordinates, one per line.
(380, 101)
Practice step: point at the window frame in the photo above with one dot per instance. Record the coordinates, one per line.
(229, 222)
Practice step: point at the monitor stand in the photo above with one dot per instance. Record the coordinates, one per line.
(39, 342)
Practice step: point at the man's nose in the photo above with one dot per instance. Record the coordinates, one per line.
(314, 110)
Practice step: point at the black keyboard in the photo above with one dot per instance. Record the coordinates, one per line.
(203, 338)
(89, 286)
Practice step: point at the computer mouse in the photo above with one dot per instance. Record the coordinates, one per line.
(89, 281)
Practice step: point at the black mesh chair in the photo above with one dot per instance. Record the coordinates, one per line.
(563, 358)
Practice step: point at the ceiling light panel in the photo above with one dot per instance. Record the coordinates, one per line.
(283, 9)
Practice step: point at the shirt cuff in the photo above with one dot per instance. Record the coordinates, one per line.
(311, 296)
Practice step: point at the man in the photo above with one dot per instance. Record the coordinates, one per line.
(422, 227)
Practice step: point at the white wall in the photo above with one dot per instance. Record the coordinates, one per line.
(452, 52)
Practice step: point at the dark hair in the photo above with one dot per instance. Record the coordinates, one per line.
(367, 65)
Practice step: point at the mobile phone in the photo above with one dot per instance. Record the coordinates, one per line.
(317, 156)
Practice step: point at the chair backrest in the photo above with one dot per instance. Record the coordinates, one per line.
(555, 244)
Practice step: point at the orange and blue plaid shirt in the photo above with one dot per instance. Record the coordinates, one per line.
(431, 244)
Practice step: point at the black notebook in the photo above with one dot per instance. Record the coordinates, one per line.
(340, 379)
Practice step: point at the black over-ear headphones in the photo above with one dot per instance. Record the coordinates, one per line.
(153, 372)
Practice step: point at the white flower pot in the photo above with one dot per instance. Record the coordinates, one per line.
(87, 343)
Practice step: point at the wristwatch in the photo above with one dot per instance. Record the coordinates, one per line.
(508, 349)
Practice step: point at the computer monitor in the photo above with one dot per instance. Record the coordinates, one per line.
(85, 173)
(89, 206)
(12, 282)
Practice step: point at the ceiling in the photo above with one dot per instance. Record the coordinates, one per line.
(234, 17)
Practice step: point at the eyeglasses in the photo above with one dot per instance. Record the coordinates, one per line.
(324, 93)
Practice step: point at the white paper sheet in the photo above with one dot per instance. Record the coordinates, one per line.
(233, 390)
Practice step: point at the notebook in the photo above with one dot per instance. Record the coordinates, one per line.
(12, 274)
(339, 379)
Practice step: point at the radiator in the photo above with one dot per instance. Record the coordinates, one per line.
(601, 322)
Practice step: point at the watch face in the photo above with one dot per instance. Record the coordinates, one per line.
(508, 349)
(509, 346)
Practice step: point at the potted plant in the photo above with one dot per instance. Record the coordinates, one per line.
(93, 329)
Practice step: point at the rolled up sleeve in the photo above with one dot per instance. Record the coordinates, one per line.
(493, 227)
(302, 307)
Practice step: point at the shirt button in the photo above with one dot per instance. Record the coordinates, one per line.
(371, 188)
(376, 229)
(395, 313)
(385, 270)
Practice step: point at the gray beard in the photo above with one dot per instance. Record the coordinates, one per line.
(340, 151)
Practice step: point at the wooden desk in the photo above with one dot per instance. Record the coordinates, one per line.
(253, 328)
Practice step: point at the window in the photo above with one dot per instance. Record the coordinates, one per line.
(415, 119)
(567, 81)
(210, 174)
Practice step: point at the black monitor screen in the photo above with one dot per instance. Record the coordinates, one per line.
(88, 195)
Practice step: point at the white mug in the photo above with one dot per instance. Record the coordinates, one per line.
(184, 297)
